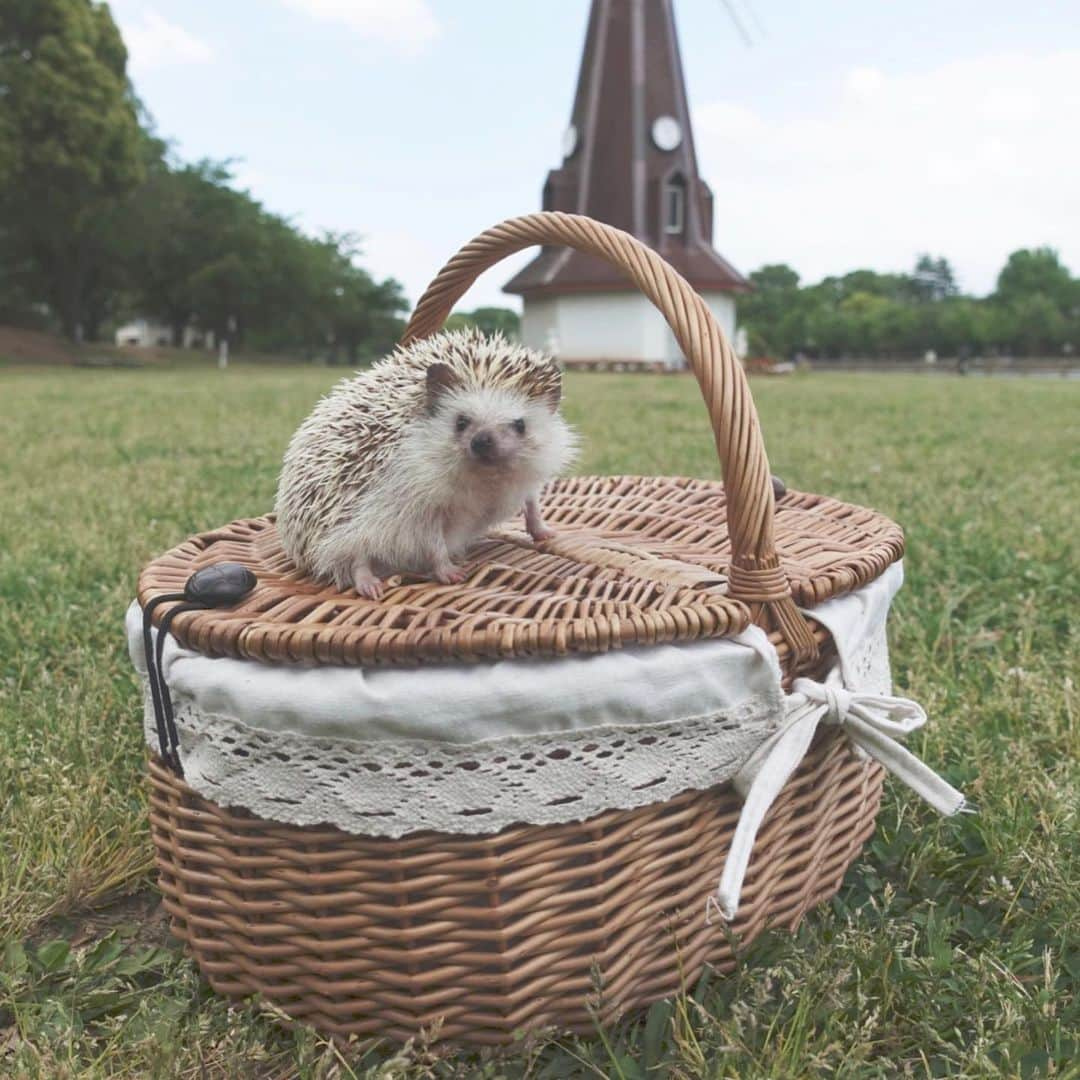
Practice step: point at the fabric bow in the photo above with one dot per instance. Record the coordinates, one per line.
(873, 723)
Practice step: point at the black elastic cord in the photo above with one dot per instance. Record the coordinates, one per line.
(218, 585)
(153, 673)
(166, 697)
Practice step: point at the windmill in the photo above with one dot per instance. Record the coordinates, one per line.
(628, 160)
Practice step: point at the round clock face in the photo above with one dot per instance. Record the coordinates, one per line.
(666, 132)
(569, 141)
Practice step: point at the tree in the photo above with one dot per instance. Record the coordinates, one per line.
(488, 320)
(367, 322)
(185, 218)
(773, 313)
(868, 318)
(1035, 325)
(961, 324)
(224, 293)
(497, 320)
(891, 286)
(864, 313)
(1032, 272)
(774, 279)
(895, 329)
(828, 331)
(211, 254)
(74, 147)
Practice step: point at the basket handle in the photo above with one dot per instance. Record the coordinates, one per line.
(755, 576)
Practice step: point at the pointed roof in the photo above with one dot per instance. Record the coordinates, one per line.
(629, 158)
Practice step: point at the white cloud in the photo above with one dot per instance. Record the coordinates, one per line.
(971, 159)
(406, 25)
(864, 81)
(154, 42)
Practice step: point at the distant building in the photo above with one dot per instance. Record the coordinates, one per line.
(146, 333)
(628, 160)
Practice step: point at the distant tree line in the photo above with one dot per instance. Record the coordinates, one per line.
(1034, 311)
(489, 320)
(98, 221)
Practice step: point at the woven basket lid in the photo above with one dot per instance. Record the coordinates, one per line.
(635, 561)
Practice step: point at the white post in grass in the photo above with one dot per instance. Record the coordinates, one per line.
(223, 347)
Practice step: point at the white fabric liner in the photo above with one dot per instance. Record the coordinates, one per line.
(474, 748)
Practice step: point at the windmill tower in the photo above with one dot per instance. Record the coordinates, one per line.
(628, 160)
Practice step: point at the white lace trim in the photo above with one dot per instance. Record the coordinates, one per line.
(394, 784)
(383, 788)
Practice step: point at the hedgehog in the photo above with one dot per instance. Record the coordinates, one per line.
(400, 468)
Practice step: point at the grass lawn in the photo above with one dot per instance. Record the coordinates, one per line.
(953, 948)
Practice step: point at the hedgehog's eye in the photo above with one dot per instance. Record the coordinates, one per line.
(519, 426)
(461, 423)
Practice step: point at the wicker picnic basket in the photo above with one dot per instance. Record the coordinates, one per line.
(485, 936)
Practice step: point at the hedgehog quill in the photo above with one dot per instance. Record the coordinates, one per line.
(400, 468)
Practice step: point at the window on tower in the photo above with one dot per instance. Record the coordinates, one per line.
(674, 205)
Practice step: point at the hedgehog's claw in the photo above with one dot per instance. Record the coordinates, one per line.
(369, 586)
(449, 574)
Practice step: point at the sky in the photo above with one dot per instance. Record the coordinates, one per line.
(843, 134)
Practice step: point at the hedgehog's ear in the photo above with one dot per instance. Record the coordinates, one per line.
(440, 380)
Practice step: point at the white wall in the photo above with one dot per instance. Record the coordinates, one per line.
(593, 326)
(611, 326)
(540, 326)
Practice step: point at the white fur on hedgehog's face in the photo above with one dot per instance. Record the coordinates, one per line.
(493, 428)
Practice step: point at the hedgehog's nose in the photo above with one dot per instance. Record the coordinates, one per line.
(482, 445)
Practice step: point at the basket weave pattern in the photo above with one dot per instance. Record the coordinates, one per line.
(636, 561)
(495, 935)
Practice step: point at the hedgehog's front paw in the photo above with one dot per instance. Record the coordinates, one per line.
(449, 574)
(534, 521)
(370, 587)
(366, 582)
